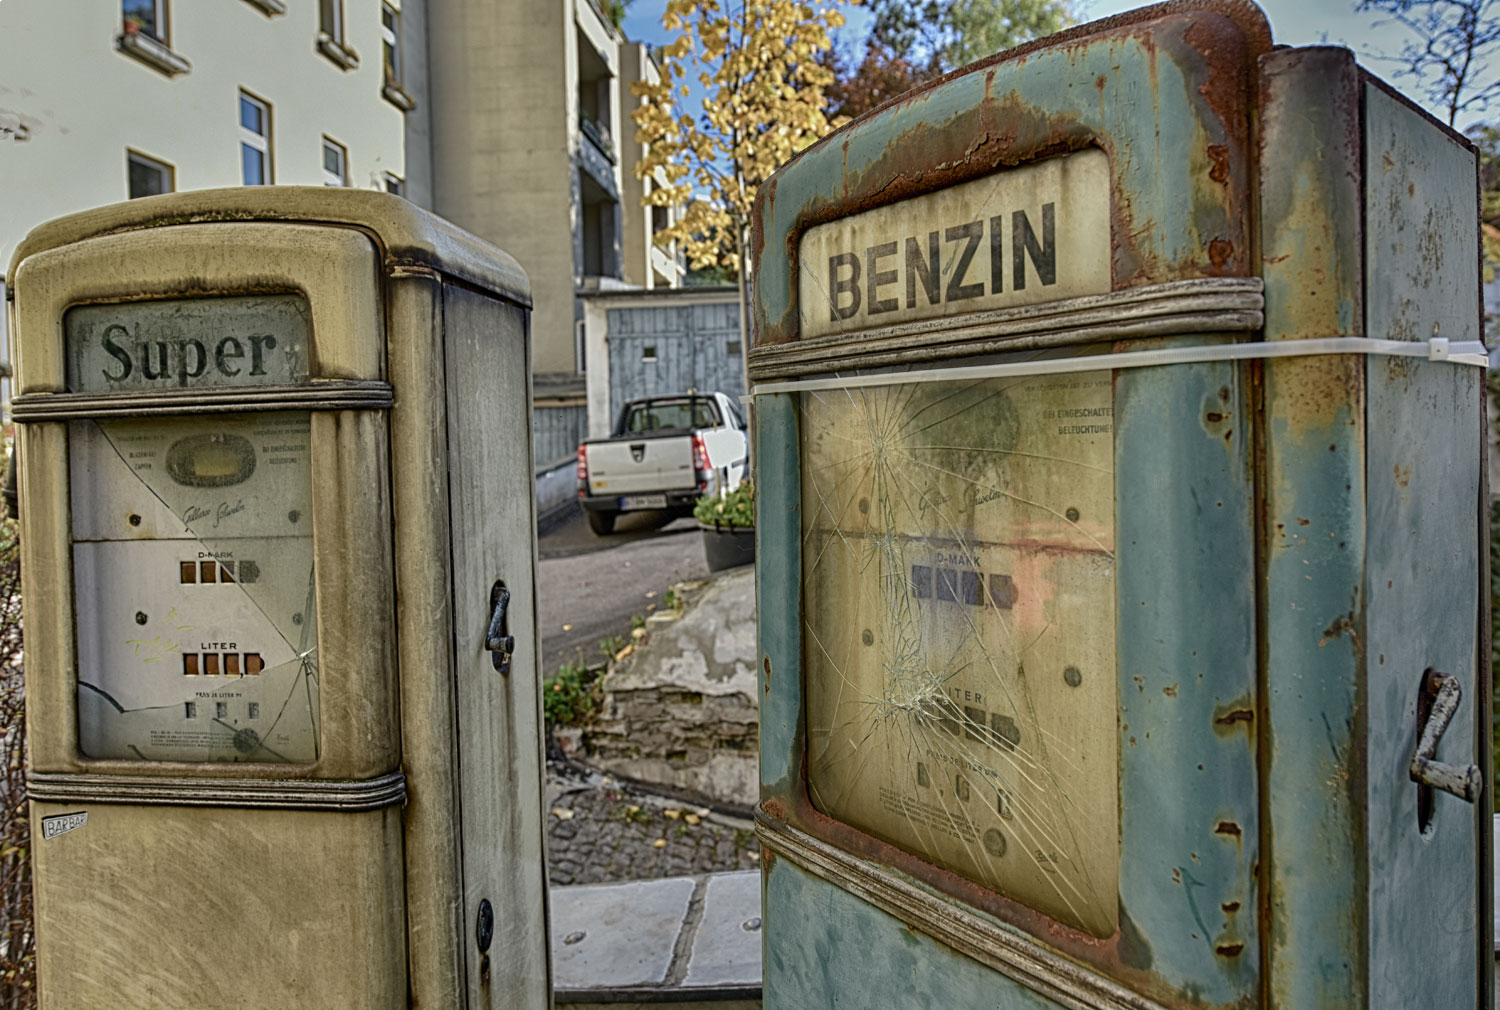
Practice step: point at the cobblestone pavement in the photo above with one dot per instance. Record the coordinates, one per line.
(600, 830)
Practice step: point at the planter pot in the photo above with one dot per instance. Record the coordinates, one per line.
(728, 547)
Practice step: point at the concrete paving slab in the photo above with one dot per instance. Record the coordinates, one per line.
(726, 948)
(617, 935)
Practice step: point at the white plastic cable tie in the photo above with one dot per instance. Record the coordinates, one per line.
(1441, 349)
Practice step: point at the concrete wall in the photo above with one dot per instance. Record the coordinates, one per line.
(501, 91)
(503, 87)
(71, 104)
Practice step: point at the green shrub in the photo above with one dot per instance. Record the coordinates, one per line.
(736, 509)
(568, 697)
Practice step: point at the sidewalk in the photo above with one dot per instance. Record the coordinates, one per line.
(600, 830)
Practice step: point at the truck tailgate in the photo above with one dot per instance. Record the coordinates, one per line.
(628, 466)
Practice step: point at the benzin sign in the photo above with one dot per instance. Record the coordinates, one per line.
(1017, 237)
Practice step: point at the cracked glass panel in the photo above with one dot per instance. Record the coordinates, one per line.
(193, 588)
(959, 637)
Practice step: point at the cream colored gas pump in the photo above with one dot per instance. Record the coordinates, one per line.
(279, 551)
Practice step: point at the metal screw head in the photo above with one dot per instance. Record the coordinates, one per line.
(140, 617)
(1072, 515)
(751, 925)
(135, 520)
(574, 937)
(1072, 676)
(484, 927)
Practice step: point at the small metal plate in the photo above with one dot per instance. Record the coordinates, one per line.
(643, 501)
(959, 635)
(1017, 237)
(244, 340)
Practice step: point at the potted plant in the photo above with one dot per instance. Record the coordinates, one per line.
(728, 525)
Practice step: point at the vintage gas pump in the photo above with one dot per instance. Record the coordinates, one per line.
(278, 554)
(1121, 538)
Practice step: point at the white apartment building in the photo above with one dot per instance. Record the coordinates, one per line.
(104, 100)
(508, 117)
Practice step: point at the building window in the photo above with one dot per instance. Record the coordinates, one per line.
(335, 163)
(147, 176)
(390, 45)
(390, 42)
(144, 36)
(331, 41)
(394, 184)
(146, 17)
(255, 140)
(331, 19)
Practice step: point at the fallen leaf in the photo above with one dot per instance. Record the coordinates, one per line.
(692, 818)
(567, 627)
(671, 814)
(562, 813)
(660, 843)
(633, 808)
(651, 595)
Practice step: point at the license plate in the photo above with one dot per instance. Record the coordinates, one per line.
(643, 501)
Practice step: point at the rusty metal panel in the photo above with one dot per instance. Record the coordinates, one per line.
(1422, 572)
(1189, 807)
(1314, 528)
(823, 968)
(1179, 175)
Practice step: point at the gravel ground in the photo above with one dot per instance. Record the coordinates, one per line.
(599, 830)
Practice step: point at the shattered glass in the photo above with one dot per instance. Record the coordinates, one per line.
(959, 636)
(193, 588)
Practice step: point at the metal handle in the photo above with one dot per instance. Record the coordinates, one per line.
(1440, 697)
(499, 641)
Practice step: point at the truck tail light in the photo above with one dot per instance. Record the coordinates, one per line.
(700, 461)
(583, 470)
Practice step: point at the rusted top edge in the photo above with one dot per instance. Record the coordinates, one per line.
(1366, 77)
(1246, 16)
(405, 233)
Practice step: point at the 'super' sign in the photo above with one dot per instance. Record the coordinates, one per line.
(1017, 237)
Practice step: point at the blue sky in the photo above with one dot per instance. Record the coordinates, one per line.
(1293, 22)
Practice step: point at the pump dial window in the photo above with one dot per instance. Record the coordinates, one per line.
(194, 592)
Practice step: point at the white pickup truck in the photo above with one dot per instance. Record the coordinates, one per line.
(665, 452)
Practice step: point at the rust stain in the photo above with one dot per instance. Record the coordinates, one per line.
(774, 807)
(1228, 828)
(1220, 253)
(1219, 155)
(1170, 692)
(1229, 949)
(1402, 475)
(1345, 624)
(1227, 720)
(1230, 907)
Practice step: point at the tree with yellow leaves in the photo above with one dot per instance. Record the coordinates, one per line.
(756, 62)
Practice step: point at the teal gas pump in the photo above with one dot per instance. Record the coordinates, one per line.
(1120, 431)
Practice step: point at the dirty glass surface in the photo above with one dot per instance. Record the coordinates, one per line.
(958, 600)
(193, 588)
